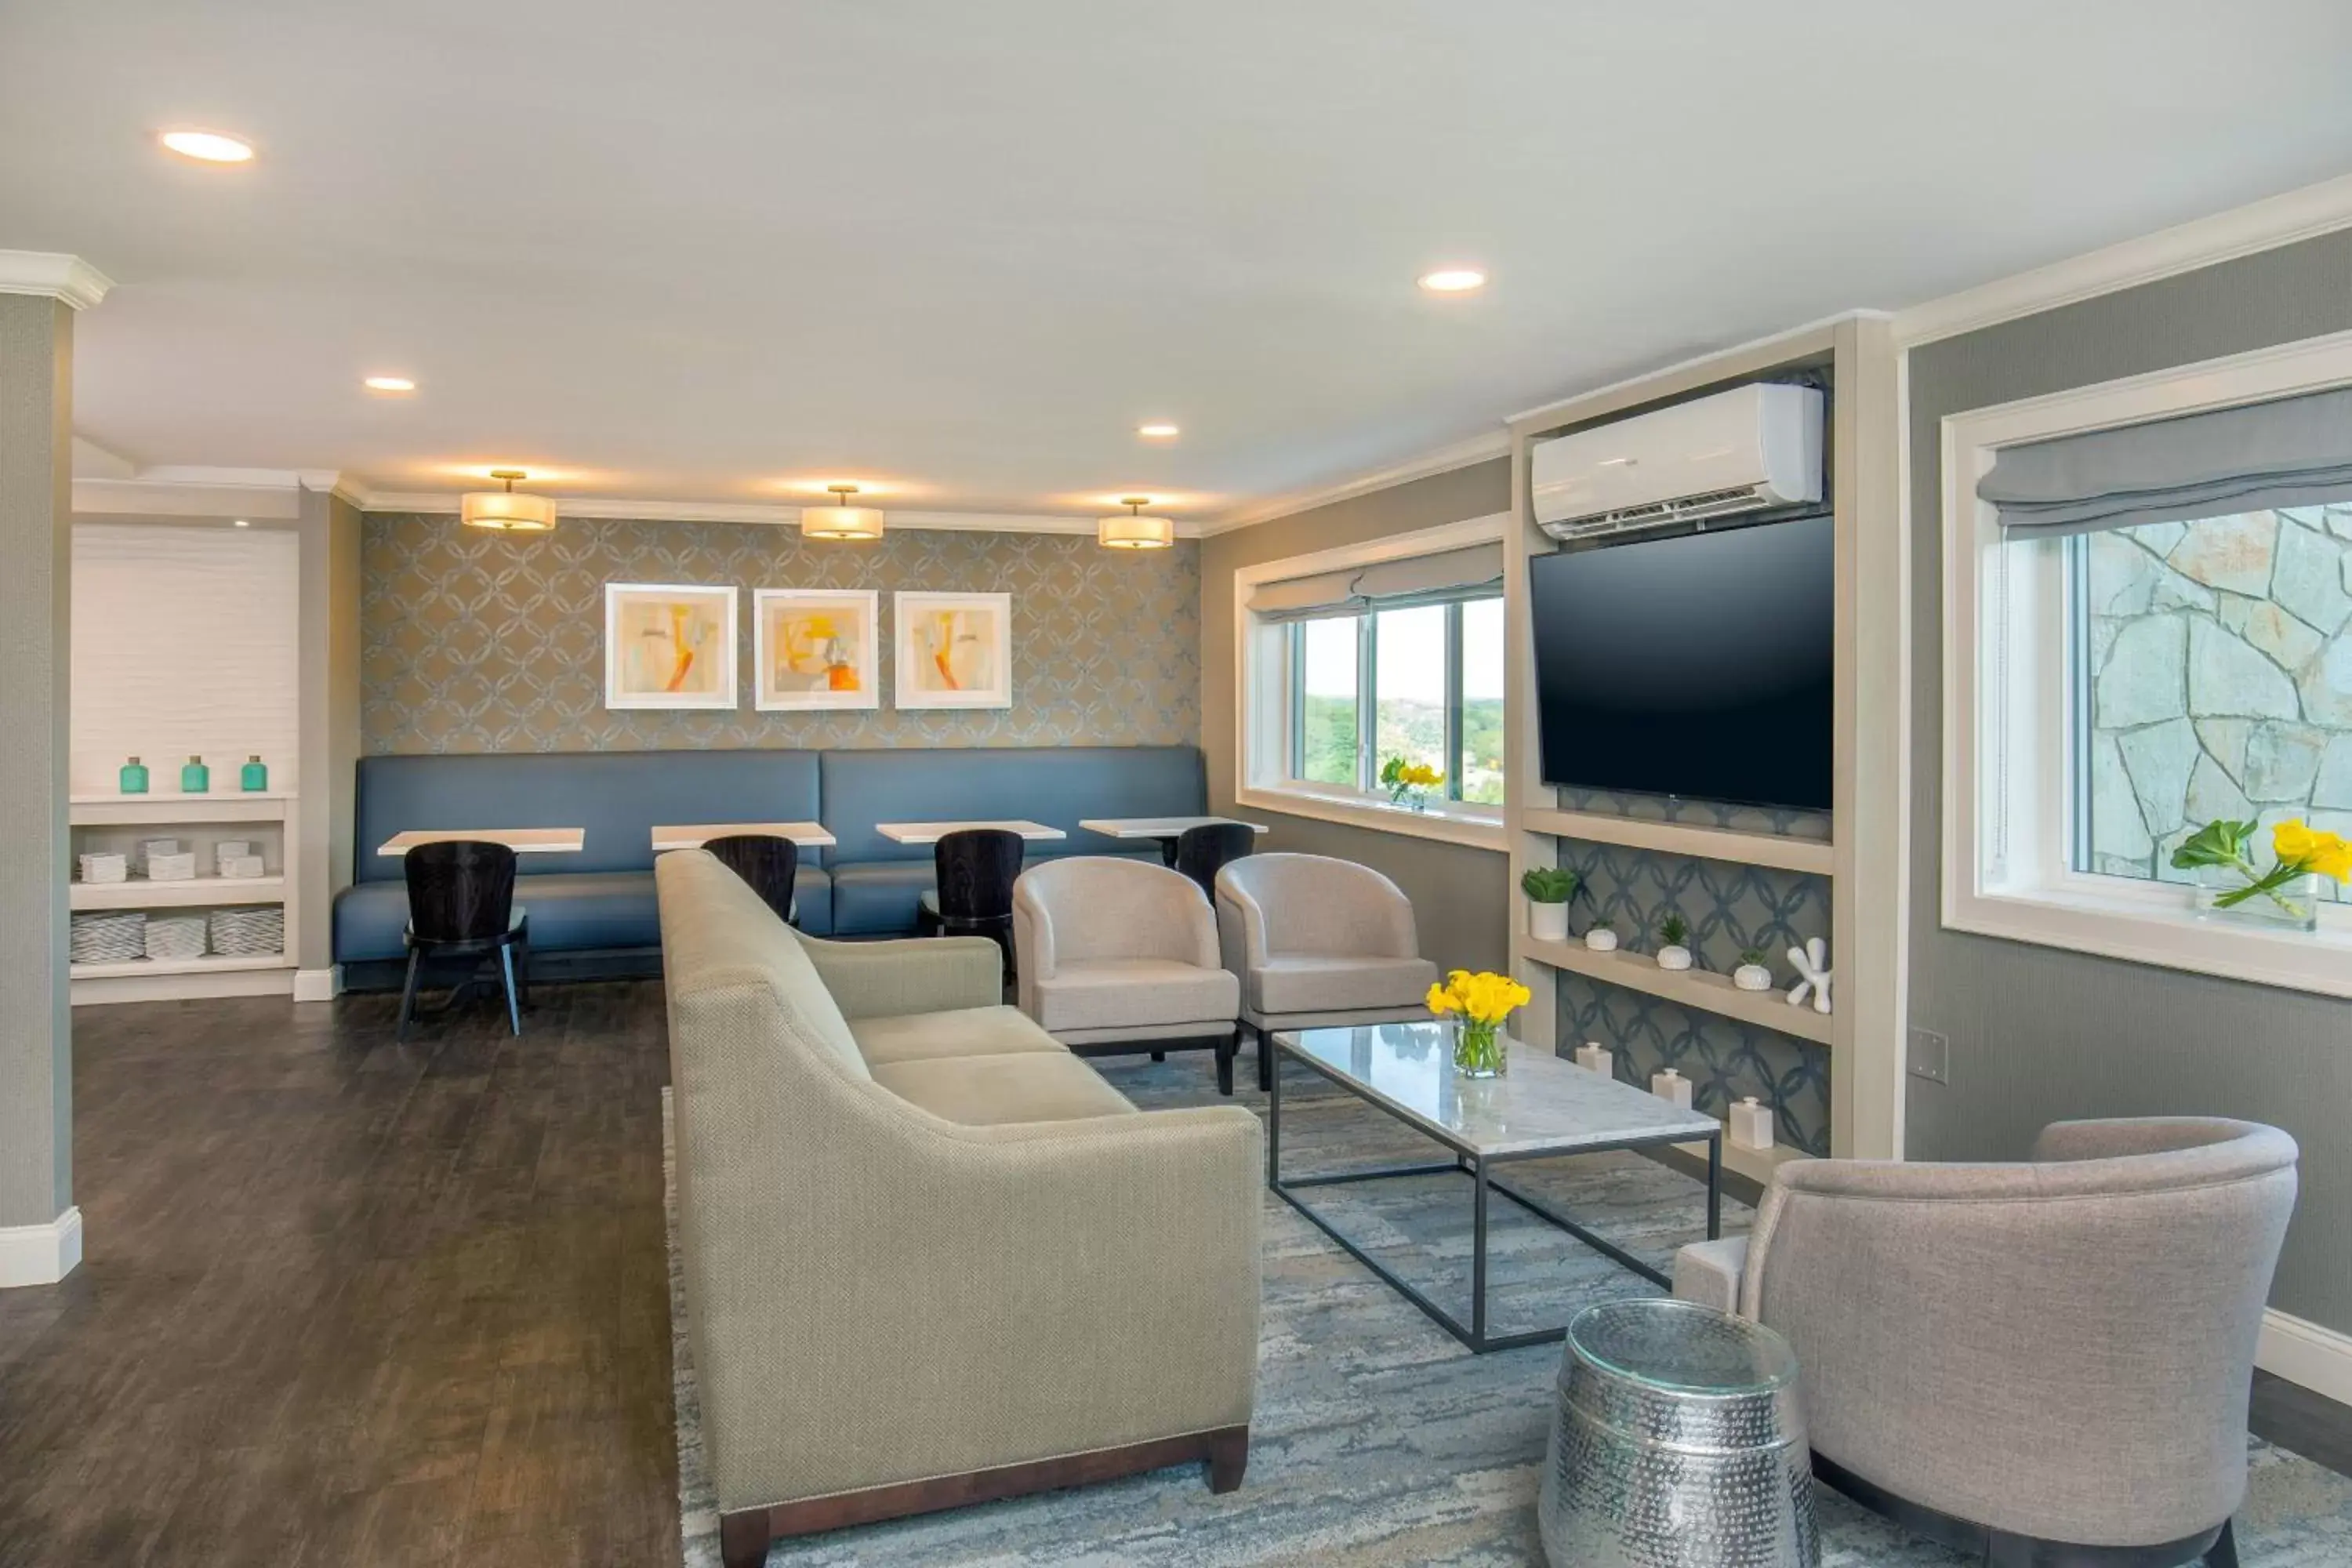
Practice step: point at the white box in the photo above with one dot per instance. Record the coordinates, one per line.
(172, 868)
(1672, 1087)
(1592, 1058)
(101, 866)
(1751, 1125)
(238, 866)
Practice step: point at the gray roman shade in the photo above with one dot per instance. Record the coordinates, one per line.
(2295, 451)
(1472, 572)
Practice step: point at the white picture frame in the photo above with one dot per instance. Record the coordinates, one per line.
(638, 674)
(798, 661)
(952, 650)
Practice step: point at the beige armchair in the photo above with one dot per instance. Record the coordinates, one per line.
(929, 1257)
(2003, 1357)
(1121, 955)
(1318, 944)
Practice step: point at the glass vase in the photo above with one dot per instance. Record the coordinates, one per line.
(2293, 905)
(1480, 1050)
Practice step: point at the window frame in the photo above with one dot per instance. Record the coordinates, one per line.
(1367, 702)
(1269, 722)
(2012, 709)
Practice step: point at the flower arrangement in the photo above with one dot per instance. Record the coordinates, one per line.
(2221, 852)
(1409, 784)
(1483, 1000)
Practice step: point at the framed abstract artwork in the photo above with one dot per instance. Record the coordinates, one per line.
(815, 647)
(668, 645)
(954, 650)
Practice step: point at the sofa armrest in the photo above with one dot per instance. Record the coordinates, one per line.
(913, 975)
(1708, 1272)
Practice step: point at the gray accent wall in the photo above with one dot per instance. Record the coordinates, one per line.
(2038, 1034)
(1458, 892)
(36, 606)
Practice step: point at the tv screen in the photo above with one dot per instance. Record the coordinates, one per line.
(1696, 666)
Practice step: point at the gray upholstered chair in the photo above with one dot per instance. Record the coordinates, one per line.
(1318, 944)
(1121, 955)
(2040, 1363)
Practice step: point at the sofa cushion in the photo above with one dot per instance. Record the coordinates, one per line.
(1130, 993)
(1317, 982)
(569, 912)
(987, 1091)
(961, 1032)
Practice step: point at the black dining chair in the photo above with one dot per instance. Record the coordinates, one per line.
(976, 869)
(771, 865)
(1203, 851)
(461, 905)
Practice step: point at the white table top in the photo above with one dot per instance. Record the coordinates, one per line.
(521, 840)
(1159, 827)
(807, 834)
(932, 832)
(1544, 1102)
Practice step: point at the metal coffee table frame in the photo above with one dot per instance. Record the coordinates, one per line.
(1469, 1162)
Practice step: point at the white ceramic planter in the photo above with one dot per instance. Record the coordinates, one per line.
(1752, 977)
(1673, 958)
(1546, 922)
(1600, 939)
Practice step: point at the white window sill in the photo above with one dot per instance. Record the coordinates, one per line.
(1476, 830)
(2154, 924)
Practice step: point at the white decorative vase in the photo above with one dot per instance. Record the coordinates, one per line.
(1752, 977)
(1674, 957)
(1672, 1087)
(1751, 1125)
(1600, 939)
(1592, 1058)
(1546, 922)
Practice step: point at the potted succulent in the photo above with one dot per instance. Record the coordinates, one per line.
(1600, 936)
(1751, 974)
(1409, 784)
(1549, 889)
(1673, 932)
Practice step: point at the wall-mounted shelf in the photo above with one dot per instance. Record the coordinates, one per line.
(1814, 856)
(199, 892)
(1755, 1164)
(139, 810)
(1698, 988)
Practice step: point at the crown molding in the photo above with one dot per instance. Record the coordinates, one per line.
(1462, 454)
(54, 274)
(2261, 226)
(622, 510)
(1563, 408)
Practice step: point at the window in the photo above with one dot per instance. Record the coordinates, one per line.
(2148, 626)
(1433, 696)
(1352, 657)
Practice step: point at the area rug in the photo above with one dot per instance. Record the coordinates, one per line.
(1377, 1441)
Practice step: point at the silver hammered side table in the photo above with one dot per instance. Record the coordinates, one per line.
(1678, 1443)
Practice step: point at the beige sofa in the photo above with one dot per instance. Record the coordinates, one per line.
(931, 1257)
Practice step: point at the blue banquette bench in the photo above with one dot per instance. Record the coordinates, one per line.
(601, 901)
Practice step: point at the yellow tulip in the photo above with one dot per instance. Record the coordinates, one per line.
(2296, 844)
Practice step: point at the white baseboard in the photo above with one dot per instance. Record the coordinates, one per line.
(318, 984)
(2304, 1352)
(40, 1253)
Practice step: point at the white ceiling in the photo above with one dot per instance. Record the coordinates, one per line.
(727, 249)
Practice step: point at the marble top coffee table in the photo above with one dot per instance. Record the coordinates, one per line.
(1543, 1107)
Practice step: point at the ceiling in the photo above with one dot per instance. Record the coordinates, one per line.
(728, 250)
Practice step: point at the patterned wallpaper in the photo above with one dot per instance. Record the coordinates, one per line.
(479, 642)
(1729, 908)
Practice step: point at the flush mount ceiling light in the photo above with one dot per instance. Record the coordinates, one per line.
(505, 510)
(389, 383)
(1452, 280)
(1158, 430)
(208, 146)
(1130, 530)
(841, 521)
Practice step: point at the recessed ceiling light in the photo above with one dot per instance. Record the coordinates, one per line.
(208, 146)
(389, 383)
(242, 523)
(1158, 430)
(1453, 280)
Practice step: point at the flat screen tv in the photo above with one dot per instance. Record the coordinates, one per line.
(1696, 666)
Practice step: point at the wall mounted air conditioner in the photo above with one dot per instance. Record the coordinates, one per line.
(1750, 448)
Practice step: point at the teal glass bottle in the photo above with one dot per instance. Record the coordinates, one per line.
(135, 777)
(195, 778)
(255, 775)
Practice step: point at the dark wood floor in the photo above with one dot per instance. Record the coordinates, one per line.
(357, 1303)
(351, 1302)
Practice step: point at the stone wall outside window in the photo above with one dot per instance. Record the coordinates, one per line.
(2221, 680)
